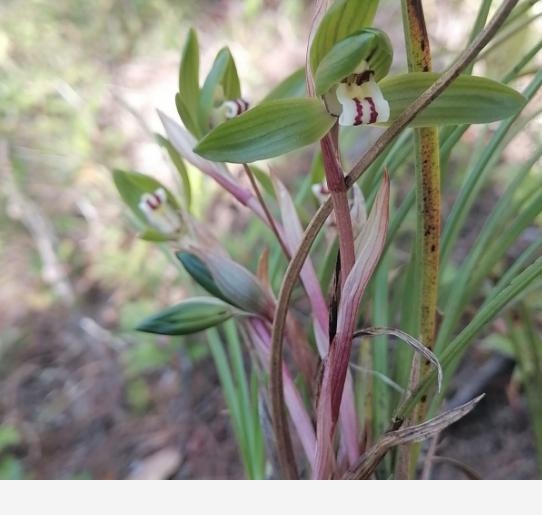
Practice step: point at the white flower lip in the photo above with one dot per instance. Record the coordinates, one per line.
(362, 102)
(228, 109)
(158, 212)
(235, 107)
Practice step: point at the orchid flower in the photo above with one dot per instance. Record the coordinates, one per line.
(159, 213)
(226, 109)
(361, 99)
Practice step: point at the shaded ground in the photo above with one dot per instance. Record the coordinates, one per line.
(68, 397)
(495, 441)
(66, 393)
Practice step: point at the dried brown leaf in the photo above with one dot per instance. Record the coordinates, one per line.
(405, 337)
(369, 461)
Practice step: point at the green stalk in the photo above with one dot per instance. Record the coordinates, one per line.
(428, 202)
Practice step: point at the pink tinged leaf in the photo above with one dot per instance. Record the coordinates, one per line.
(261, 338)
(319, 12)
(184, 142)
(409, 340)
(293, 234)
(372, 240)
(358, 211)
(322, 339)
(348, 419)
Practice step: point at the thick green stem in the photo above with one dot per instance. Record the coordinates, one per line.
(427, 187)
(427, 208)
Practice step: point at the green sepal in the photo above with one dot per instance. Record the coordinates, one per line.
(293, 86)
(187, 99)
(467, 100)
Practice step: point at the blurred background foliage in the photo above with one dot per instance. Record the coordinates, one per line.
(82, 394)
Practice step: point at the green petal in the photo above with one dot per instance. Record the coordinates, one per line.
(188, 96)
(343, 19)
(223, 73)
(371, 45)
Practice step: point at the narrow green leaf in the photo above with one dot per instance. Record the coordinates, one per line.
(188, 116)
(231, 394)
(189, 69)
(455, 349)
(189, 74)
(343, 19)
(223, 73)
(189, 316)
(291, 87)
(181, 168)
(468, 99)
(371, 45)
(251, 426)
(131, 185)
(268, 130)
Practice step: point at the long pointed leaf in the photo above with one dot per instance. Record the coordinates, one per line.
(268, 130)
(468, 99)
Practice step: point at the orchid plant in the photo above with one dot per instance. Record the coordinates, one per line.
(304, 367)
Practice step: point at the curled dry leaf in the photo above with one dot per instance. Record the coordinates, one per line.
(369, 461)
(405, 337)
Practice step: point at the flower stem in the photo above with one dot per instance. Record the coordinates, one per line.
(428, 200)
(338, 191)
(268, 215)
